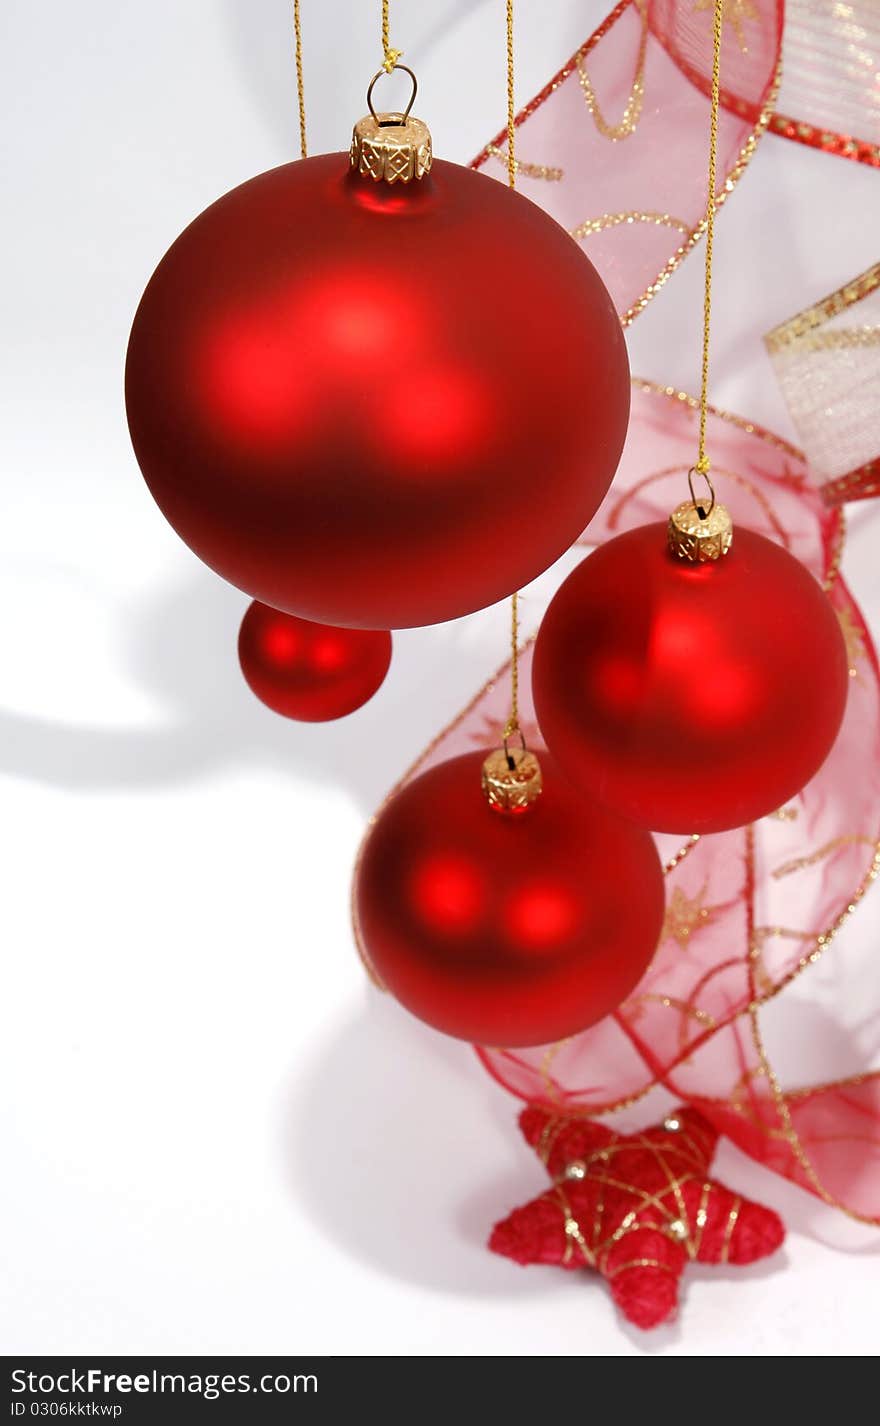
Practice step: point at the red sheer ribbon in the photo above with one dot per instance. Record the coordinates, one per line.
(747, 910)
(614, 147)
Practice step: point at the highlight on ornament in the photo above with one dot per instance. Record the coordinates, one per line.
(307, 671)
(511, 929)
(320, 392)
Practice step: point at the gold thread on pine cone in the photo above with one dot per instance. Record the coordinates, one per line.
(511, 780)
(699, 537)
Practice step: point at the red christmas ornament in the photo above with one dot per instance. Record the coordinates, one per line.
(506, 930)
(312, 672)
(637, 1208)
(345, 389)
(690, 696)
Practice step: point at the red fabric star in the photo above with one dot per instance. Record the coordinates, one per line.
(636, 1207)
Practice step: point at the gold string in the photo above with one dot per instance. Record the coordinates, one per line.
(511, 119)
(512, 725)
(391, 55)
(702, 463)
(300, 91)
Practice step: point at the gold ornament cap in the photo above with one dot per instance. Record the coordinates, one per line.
(697, 535)
(511, 780)
(394, 147)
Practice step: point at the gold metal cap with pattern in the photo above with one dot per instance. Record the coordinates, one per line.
(394, 147)
(511, 779)
(698, 535)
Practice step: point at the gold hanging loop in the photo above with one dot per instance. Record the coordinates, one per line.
(385, 121)
(505, 741)
(701, 510)
(393, 147)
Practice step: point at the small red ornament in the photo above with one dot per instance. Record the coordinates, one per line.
(374, 392)
(690, 696)
(635, 1207)
(505, 929)
(312, 672)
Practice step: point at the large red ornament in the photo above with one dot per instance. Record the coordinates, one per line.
(506, 930)
(375, 405)
(312, 672)
(690, 697)
(634, 1207)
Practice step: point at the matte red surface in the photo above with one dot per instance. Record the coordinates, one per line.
(690, 698)
(506, 930)
(311, 672)
(376, 406)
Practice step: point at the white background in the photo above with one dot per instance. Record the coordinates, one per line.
(215, 1138)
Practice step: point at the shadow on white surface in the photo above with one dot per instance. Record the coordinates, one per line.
(404, 1157)
(387, 1136)
(694, 1281)
(181, 650)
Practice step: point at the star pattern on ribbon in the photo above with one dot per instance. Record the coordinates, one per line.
(854, 640)
(735, 13)
(685, 915)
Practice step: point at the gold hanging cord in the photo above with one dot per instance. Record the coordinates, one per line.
(300, 91)
(512, 725)
(702, 465)
(391, 55)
